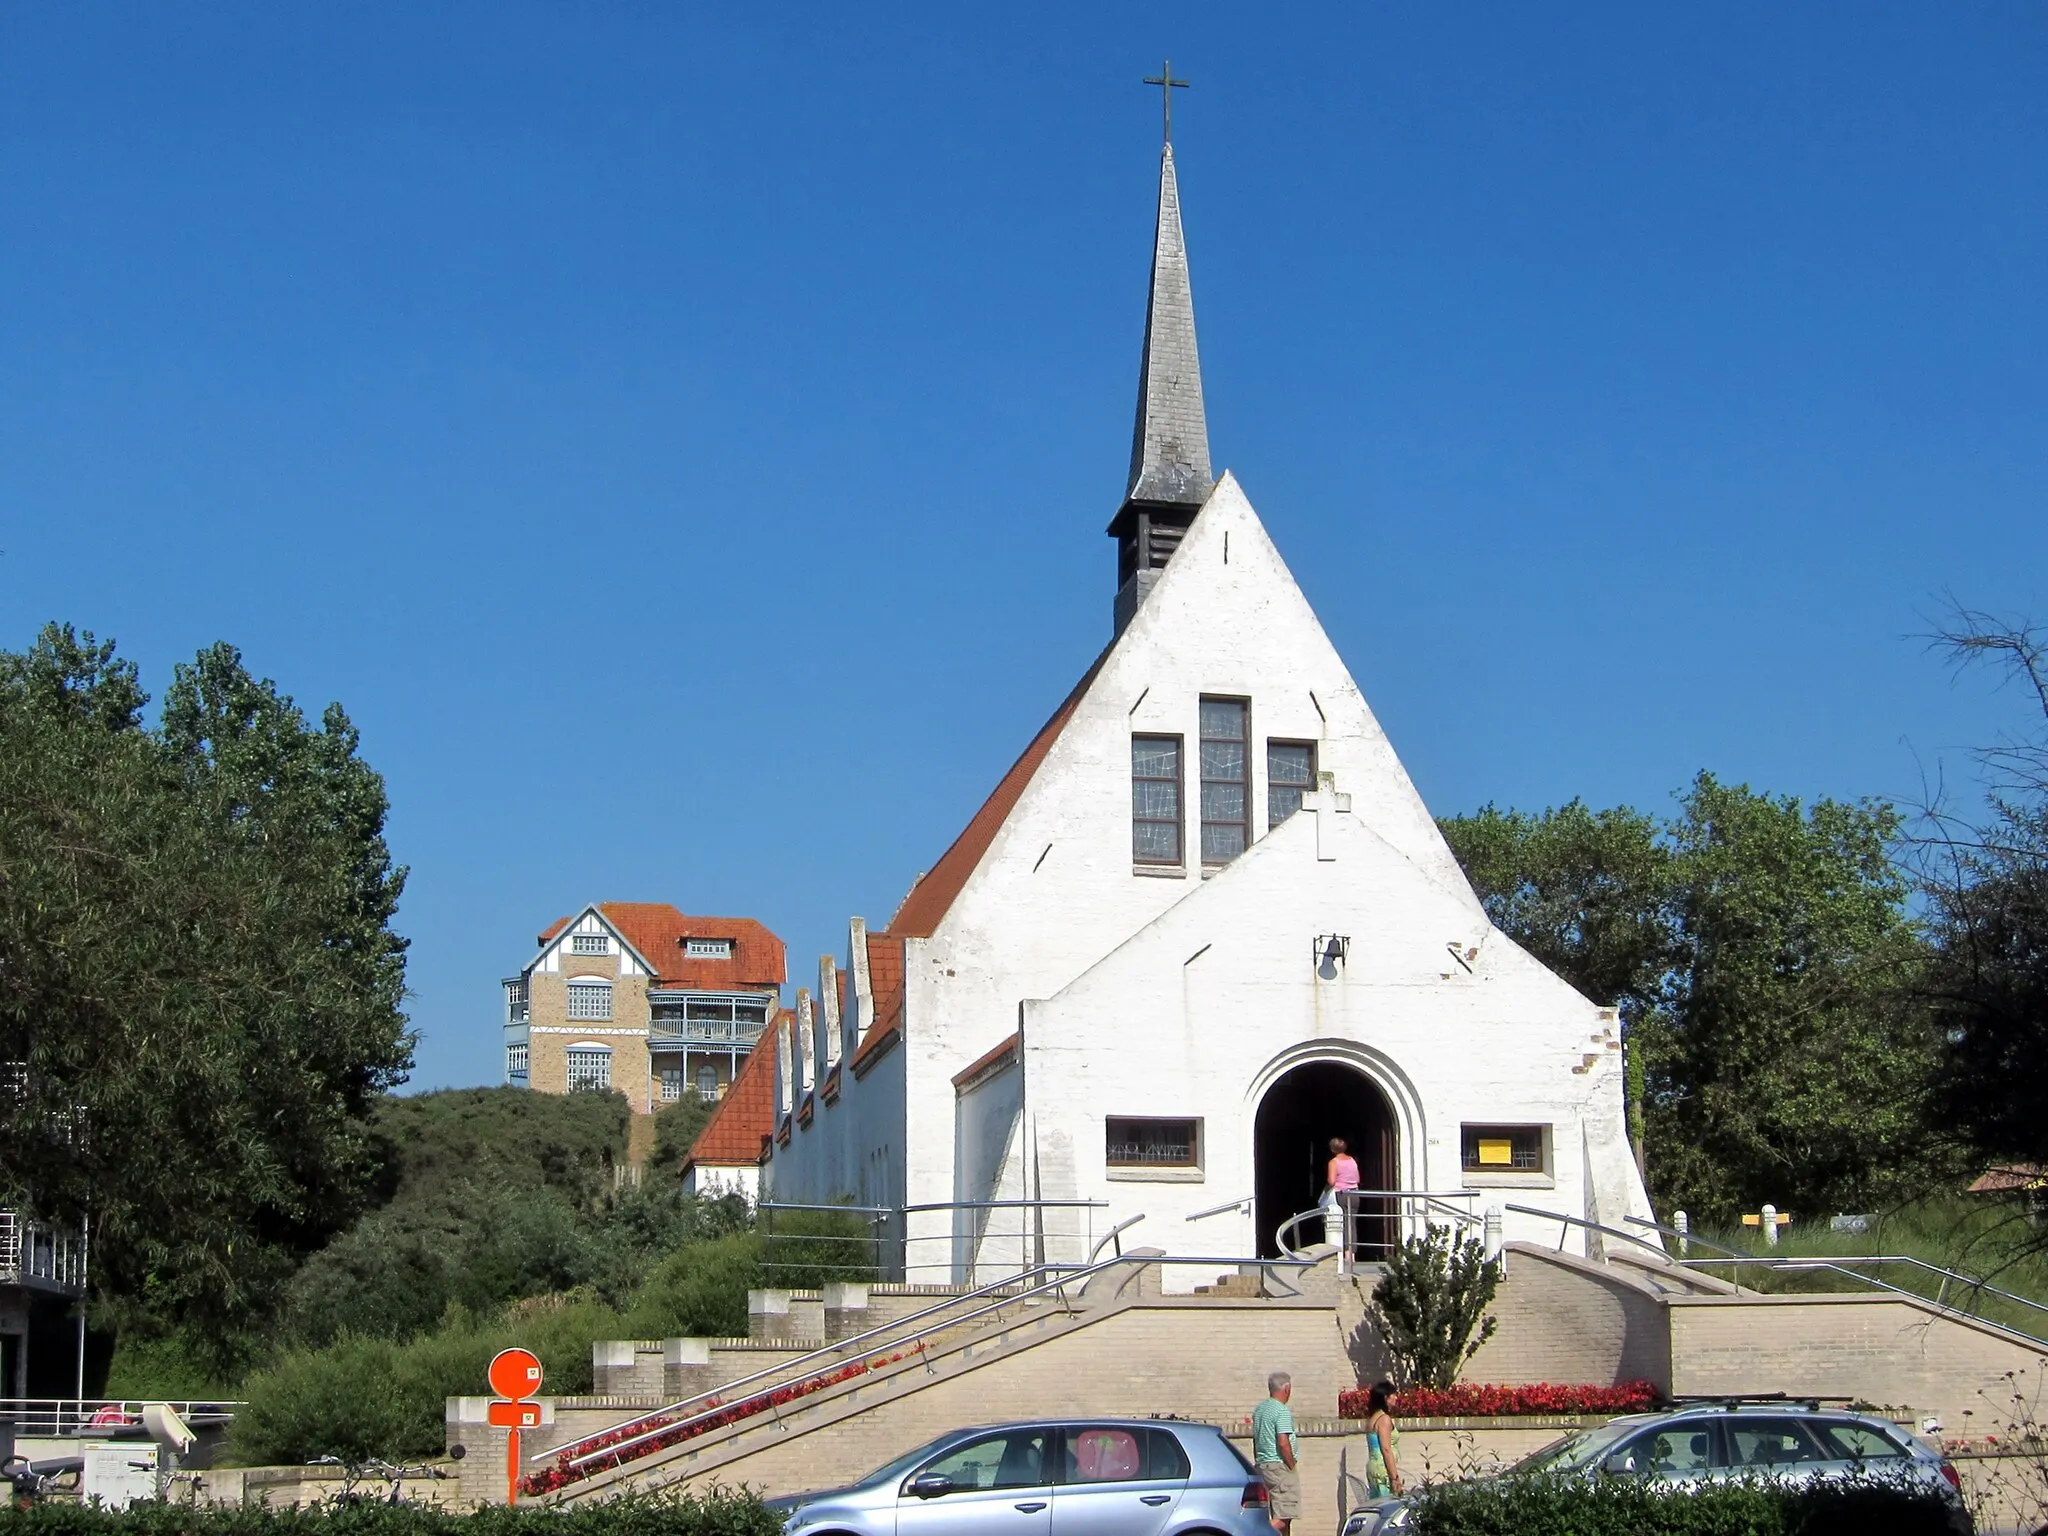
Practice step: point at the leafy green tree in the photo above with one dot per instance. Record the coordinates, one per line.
(1764, 963)
(1786, 1060)
(1430, 1306)
(200, 992)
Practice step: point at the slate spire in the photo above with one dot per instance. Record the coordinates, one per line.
(1170, 476)
(1170, 445)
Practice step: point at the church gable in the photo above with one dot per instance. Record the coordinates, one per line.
(1224, 623)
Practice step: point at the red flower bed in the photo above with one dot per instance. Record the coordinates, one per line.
(714, 1415)
(1479, 1401)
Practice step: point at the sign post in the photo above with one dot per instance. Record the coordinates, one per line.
(515, 1377)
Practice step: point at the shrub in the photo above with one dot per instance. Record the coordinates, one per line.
(358, 1398)
(1430, 1301)
(1629, 1506)
(717, 1512)
(699, 1290)
(1475, 1401)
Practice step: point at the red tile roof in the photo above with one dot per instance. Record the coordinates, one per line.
(990, 1062)
(929, 900)
(657, 930)
(746, 1115)
(885, 974)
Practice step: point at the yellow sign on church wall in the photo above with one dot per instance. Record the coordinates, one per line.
(1496, 1154)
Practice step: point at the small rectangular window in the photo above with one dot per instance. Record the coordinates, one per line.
(587, 1001)
(1290, 774)
(671, 1083)
(1155, 799)
(708, 949)
(1152, 1143)
(1503, 1149)
(1226, 827)
(515, 1065)
(515, 1002)
(590, 1071)
(589, 944)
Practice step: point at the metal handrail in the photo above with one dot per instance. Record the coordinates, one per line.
(1685, 1236)
(836, 1347)
(1114, 1234)
(1836, 1264)
(1735, 1256)
(1218, 1210)
(1591, 1226)
(1063, 1275)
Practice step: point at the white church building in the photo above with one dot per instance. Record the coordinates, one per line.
(1204, 924)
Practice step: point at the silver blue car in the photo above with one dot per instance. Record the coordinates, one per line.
(1715, 1442)
(1068, 1477)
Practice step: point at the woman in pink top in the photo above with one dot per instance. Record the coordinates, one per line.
(1343, 1169)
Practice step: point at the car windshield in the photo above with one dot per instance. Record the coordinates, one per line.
(905, 1462)
(1580, 1449)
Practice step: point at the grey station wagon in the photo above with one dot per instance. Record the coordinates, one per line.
(1078, 1477)
(1788, 1441)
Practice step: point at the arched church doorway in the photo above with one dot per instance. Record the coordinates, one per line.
(1291, 1135)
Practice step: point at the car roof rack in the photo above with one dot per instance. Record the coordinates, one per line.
(1805, 1400)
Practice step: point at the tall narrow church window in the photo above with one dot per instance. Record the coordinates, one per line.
(1155, 799)
(1290, 774)
(1225, 826)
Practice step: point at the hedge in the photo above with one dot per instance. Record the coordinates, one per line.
(1563, 1505)
(720, 1512)
(1480, 1401)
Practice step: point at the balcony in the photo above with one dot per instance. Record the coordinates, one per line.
(678, 1033)
(41, 1258)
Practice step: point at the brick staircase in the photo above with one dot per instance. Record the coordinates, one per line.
(1116, 1345)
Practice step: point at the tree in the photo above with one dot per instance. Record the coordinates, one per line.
(1785, 1061)
(200, 990)
(1763, 961)
(1430, 1302)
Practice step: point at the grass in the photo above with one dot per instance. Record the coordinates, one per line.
(1989, 1242)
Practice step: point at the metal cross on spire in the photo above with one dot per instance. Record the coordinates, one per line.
(1167, 85)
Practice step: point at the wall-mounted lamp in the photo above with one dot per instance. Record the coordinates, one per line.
(1331, 951)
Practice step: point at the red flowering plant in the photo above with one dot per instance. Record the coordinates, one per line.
(1483, 1401)
(662, 1431)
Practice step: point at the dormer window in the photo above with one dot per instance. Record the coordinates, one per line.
(708, 949)
(589, 944)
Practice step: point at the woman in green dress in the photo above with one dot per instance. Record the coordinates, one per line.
(1382, 1445)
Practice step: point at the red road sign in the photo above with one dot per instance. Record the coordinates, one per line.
(515, 1373)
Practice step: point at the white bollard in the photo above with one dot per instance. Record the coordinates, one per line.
(1492, 1231)
(1770, 1215)
(1684, 1230)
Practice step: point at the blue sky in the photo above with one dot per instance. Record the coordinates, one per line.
(682, 436)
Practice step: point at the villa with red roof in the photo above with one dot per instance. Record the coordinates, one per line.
(636, 997)
(1204, 924)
